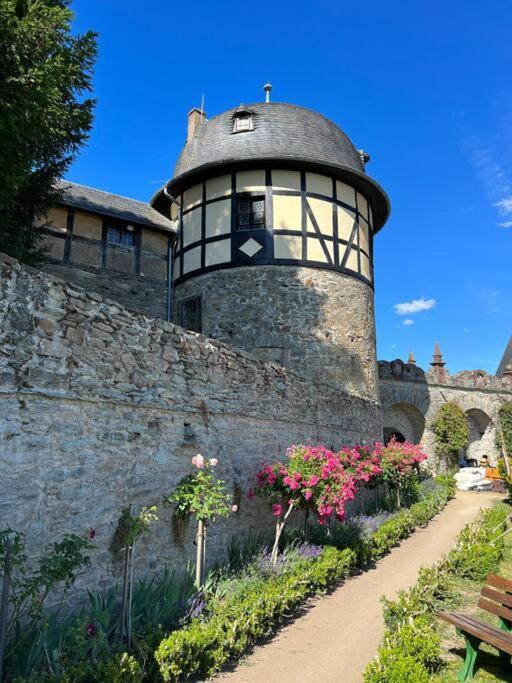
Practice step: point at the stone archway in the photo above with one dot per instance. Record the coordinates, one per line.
(481, 435)
(405, 420)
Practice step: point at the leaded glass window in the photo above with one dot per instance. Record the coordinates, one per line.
(251, 213)
(121, 235)
(189, 314)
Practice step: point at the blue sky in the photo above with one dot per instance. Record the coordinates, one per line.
(425, 88)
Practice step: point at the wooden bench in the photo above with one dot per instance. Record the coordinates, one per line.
(496, 598)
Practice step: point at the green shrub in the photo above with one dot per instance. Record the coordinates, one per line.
(473, 556)
(237, 619)
(411, 650)
(433, 591)
(394, 667)
(451, 433)
(409, 654)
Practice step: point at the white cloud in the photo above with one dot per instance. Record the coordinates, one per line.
(393, 346)
(414, 306)
(506, 224)
(505, 205)
(408, 321)
(466, 330)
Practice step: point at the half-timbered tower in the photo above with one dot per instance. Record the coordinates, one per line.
(274, 255)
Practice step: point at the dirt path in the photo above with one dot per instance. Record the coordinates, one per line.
(340, 634)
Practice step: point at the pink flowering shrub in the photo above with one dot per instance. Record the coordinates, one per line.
(318, 480)
(400, 463)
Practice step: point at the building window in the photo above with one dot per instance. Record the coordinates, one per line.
(242, 120)
(125, 236)
(242, 123)
(250, 213)
(188, 314)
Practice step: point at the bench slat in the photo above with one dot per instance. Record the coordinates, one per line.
(493, 636)
(500, 598)
(493, 608)
(499, 582)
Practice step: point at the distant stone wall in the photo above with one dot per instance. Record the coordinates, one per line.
(101, 407)
(409, 395)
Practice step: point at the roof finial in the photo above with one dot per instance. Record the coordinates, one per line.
(267, 88)
(437, 360)
(411, 360)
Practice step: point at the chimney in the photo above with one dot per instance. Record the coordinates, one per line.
(196, 117)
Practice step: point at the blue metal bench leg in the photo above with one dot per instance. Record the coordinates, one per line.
(472, 644)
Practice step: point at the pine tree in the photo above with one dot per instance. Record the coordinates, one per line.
(45, 116)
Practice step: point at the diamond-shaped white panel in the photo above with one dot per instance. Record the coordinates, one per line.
(251, 247)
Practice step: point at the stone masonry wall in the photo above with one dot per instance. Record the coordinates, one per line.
(101, 407)
(134, 292)
(326, 320)
(408, 393)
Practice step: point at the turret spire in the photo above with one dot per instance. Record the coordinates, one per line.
(411, 360)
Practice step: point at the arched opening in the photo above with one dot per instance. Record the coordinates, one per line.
(405, 422)
(393, 434)
(481, 440)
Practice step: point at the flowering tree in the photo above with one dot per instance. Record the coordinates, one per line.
(400, 465)
(314, 479)
(201, 495)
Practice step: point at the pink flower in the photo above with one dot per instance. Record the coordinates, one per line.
(91, 533)
(307, 494)
(250, 494)
(198, 461)
(234, 508)
(213, 461)
(91, 629)
(277, 510)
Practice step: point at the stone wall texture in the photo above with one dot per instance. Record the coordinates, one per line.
(134, 292)
(411, 399)
(101, 407)
(325, 318)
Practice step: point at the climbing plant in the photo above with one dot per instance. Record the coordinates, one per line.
(504, 432)
(504, 445)
(451, 433)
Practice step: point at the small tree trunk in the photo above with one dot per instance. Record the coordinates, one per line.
(130, 600)
(398, 502)
(307, 524)
(4, 604)
(279, 530)
(200, 543)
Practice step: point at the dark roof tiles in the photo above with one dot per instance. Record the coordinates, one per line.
(113, 205)
(281, 131)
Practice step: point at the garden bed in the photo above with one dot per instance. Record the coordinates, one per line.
(416, 641)
(250, 605)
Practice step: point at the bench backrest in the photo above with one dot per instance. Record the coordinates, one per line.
(496, 597)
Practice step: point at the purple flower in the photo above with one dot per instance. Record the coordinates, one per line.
(91, 629)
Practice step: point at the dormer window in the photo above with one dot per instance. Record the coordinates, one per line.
(242, 120)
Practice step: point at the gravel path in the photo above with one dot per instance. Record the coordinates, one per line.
(340, 634)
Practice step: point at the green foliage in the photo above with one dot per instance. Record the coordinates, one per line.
(505, 423)
(236, 618)
(476, 552)
(29, 631)
(130, 527)
(200, 494)
(394, 667)
(44, 119)
(411, 649)
(451, 433)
